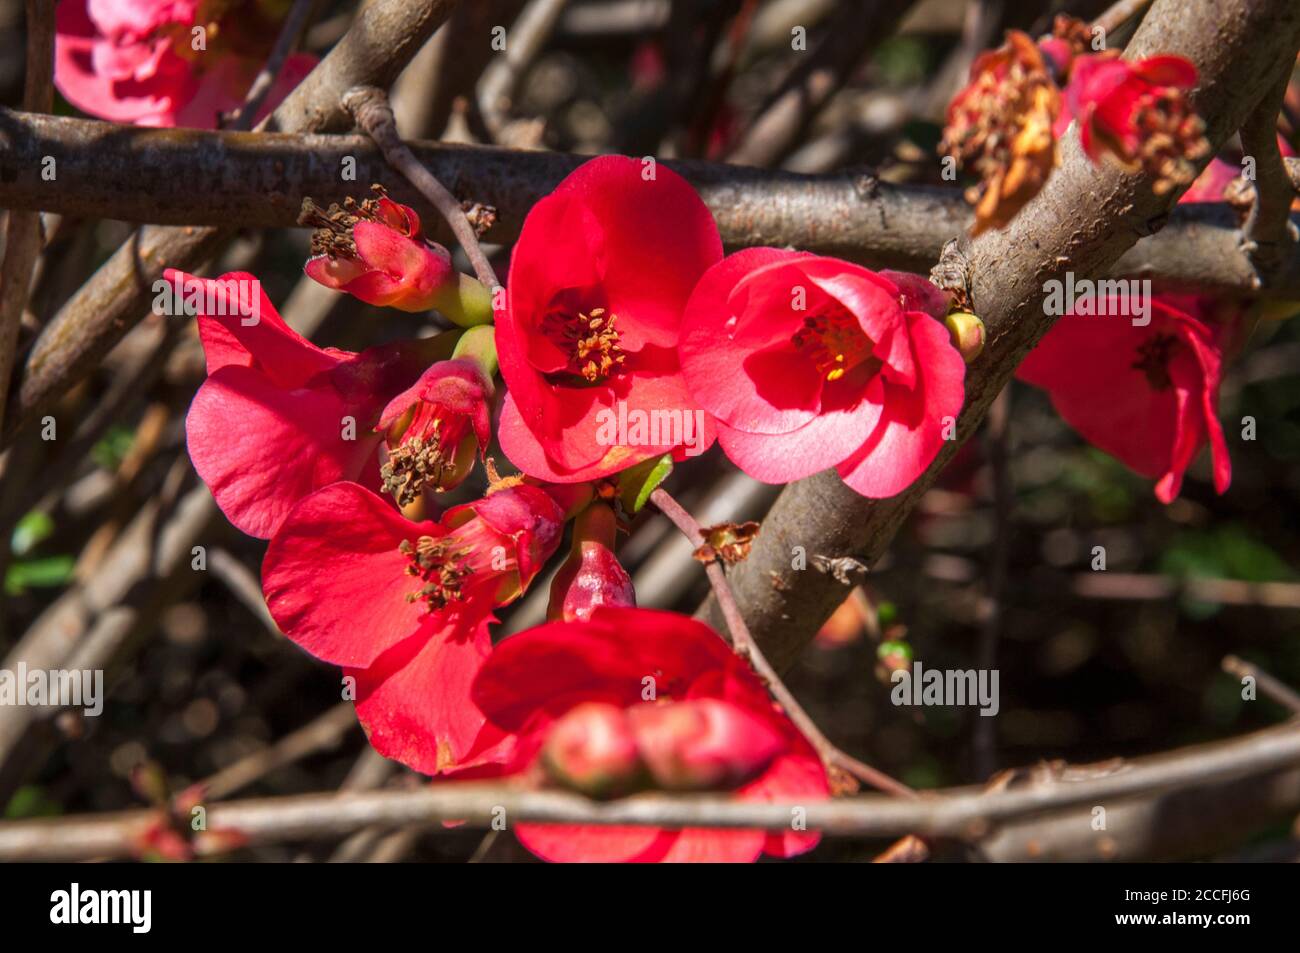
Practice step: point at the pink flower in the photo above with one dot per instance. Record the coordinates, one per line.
(140, 61)
(1138, 112)
(810, 362)
(598, 281)
(717, 727)
(279, 417)
(1148, 396)
(404, 607)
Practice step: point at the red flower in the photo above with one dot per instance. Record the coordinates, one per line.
(404, 607)
(1139, 113)
(810, 362)
(433, 428)
(279, 417)
(625, 658)
(1148, 396)
(139, 61)
(598, 281)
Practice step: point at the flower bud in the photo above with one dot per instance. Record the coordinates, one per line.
(702, 744)
(967, 332)
(592, 575)
(591, 749)
(374, 251)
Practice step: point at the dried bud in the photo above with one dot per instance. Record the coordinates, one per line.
(1000, 126)
(729, 542)
(591, 749)
(702, 744)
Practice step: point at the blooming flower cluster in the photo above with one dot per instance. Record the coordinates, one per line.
(625, 340)
(619, 301)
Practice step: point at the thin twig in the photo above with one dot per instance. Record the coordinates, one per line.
(1271, 686)
(1142, 587)
(748, 649)
(242, 118)
(23, 231)
(1119, 13)
(966, 814)
(369, 105)
(323, 731)
(1268, 231)
(524, 41)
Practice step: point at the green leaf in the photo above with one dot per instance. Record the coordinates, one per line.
(30, 531)
(112, 447)
(637, 483)
(30, 800)
(49, 572)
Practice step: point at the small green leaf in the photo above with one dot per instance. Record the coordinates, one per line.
(637, 483)
(49, 572)
(113, 447)
(30, 800)
(30, 531)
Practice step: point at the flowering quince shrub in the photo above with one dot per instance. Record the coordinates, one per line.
(624, 342)
(169, 62)
(637, 698)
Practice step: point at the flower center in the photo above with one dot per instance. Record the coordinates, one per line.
(834, 342)
(590, 340)
(1153, 360)
(440, 566)
(333, 226)
(424, 447)
(1171, 135)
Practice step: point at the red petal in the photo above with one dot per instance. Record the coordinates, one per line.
(260, 448)
(286, 356)
(334, 579)
(414, 698)
(911, 427)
